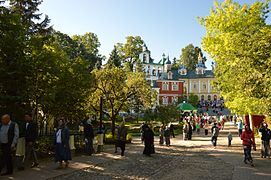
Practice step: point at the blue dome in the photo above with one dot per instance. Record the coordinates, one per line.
(200, 65)
(168, 62)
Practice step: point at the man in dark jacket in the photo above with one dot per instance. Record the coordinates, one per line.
(31, 133)
(9, 133)
(89, 136)
(215, 132)
(266, 135)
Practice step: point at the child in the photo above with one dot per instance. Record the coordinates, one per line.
(229, 139)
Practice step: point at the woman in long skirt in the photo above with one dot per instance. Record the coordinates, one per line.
(148, 137)
(62, 146)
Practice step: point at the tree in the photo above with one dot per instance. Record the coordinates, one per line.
(118, 87)
(114, 58)
(167, 113)
(88, 45)
(189, 56)
(23, 33)
(193, 99)
(130, 51)
(238, 39)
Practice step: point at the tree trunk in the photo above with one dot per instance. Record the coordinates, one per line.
(113, 126)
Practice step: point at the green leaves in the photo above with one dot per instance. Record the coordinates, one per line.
(238, 39)
(129, 52)
(189, 56)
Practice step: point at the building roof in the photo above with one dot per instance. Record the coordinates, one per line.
(194, 75)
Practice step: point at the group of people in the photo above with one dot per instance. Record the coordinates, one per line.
(20, 140)
(165, 133)
(10, 134)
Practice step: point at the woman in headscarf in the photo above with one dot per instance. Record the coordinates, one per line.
(62, 146)
(148, 137)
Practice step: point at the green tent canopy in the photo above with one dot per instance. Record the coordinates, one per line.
(186, 107)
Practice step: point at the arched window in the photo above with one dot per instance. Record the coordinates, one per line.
(209, 97)
(202, 97)
(165, 100)
(144, 58)
(215, 97)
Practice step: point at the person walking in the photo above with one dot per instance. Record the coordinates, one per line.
(266, 135)
(62, 146)
(88, 136)
(229, 139)
(189, 131)
(198, 127)
(148, 138)
(31, 134)
(121, 138)
(215, 132)
(9, 134)
(185, 130)
(248, 139)
(240, 127)
(167, 135)
(171, 128)
(161, 134)
(206, 127)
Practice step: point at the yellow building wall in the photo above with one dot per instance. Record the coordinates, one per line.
(200, 87)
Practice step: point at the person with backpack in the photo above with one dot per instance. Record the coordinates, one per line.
(248, 141)
(215, 132)
(266, 135)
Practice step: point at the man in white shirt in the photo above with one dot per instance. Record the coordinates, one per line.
(9, 134)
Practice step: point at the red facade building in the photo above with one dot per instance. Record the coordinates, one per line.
(170, 90)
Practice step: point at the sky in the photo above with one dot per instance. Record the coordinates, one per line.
(166, 26)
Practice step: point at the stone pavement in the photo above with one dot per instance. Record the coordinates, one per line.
(195, 159)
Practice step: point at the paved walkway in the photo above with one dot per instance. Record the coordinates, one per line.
(195, 159)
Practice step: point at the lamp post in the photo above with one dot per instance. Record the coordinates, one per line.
(100, 133)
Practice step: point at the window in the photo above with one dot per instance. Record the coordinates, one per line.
(204, 86)
(175, 87)
(209, 97)
(154, 72)
(169, 75)
(165, 87)
(195, 86)
(175, 99)
(144, 58)
(165, 100)
(202, 97)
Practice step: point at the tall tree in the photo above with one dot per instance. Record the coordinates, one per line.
(131, 49)
(238, 39)
(189, 56)
(89, 47)
(114, 58)
(23, 33)
(118, 88)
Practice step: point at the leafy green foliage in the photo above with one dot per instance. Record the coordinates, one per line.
(118, 88)
(129, 52)
(167, 113)
(193, 99)
(189, 56)
(114, 58)
(238, 39)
